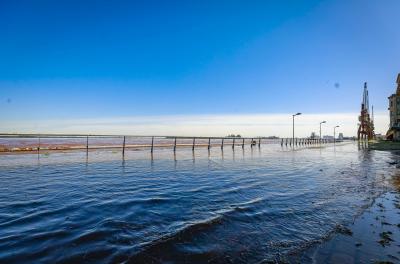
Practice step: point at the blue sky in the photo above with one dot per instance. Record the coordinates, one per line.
(88, 60)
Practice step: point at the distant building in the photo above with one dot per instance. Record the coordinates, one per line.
(341, 137)
(394, 108)
(328, 137)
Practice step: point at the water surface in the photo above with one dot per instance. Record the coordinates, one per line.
(247, 206)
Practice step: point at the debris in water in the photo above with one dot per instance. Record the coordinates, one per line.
(344, 230)
(385, 238)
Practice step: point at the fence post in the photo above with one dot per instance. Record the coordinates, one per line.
(243, 144)
(87, 144)
(38, 148)
(251, 144)
(152, 144)
(194, 142)
(222, 143)
(233, 144)
(175, 145)
(123, 148)
(259, 142)
(209, 143)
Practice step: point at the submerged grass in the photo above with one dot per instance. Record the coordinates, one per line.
(384, 145)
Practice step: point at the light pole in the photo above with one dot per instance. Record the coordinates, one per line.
(334, 134)
(320, 130)
(293, 124)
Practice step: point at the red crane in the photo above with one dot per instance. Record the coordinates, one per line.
(366, 125)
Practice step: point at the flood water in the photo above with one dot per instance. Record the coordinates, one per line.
(243, 206)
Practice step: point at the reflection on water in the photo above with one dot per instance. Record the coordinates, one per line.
(241, 206)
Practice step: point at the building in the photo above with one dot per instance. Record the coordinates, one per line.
(394, 108)
(341, 137)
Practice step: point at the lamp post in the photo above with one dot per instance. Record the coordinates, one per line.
(334, 134)
(320, 129)
(293, 124)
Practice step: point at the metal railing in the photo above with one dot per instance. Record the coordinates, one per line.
(64, 142)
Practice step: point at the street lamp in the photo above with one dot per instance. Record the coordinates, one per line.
(293, 124)
(334, 134)
(320, 132)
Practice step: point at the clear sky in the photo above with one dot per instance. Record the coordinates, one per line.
(155, 67)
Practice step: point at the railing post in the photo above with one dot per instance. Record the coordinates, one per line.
(175, 145)
(87, 144)
(222, 143)
(243, 144)
(259, 142)
(194, 142)
(286, 142)
(152, 144)
(123, 148)
(209, 143)
(251, 144)
(233, 144)
(38, 148)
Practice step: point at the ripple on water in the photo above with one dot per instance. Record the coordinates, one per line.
(243, 207)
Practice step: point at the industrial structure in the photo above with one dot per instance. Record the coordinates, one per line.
(366, 125)
(394, 108)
